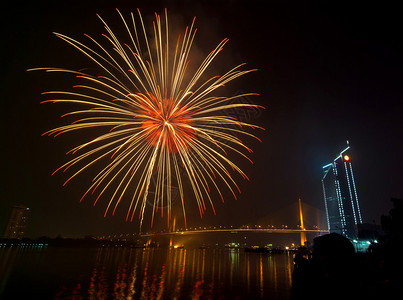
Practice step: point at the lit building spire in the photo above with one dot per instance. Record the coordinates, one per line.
(340, 195)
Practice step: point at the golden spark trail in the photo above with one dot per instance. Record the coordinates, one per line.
(151, 124)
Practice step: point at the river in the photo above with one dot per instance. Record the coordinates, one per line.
(136, 273)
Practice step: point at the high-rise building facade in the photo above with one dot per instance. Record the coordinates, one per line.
(17, 223)
(340, 193)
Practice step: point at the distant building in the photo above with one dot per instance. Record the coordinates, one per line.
(340, 193)
(17, 223)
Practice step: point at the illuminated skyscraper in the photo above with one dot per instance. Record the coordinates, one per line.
(340, 193)
(17, 223)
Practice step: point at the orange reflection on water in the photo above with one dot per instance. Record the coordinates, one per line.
(261, 276)
(181, 277)
(185, 273)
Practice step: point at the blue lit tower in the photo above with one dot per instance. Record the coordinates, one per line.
(340, 193)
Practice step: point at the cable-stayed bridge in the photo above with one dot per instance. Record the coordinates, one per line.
(299, 229)
(257, 228)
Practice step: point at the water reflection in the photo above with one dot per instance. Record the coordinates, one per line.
(124, 273)
(7, 260)
(181, 273)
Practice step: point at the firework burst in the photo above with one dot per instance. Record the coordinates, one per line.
(153, 124)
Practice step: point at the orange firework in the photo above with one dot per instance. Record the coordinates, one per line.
(154, 126)
(161, 118)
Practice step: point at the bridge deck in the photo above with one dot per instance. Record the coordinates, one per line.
(236, 230)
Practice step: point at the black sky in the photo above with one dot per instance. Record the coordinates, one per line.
(327, 73)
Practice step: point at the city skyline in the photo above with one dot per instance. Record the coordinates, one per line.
(326, 74)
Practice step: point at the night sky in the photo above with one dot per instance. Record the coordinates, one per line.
(327, 73)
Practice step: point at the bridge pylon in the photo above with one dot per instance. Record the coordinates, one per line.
(173, 230)
(301, 217)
